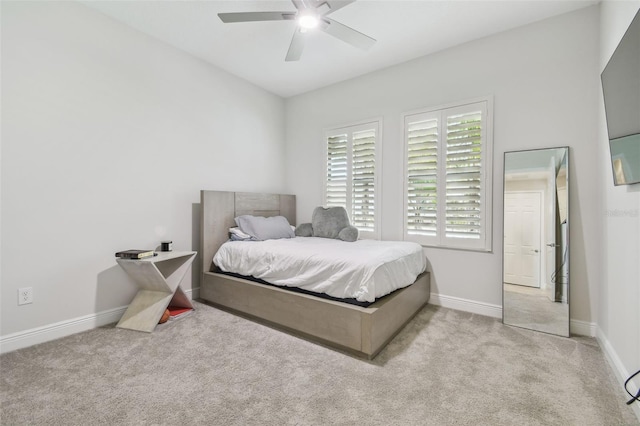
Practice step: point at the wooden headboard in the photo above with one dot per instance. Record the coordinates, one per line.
(219, 208)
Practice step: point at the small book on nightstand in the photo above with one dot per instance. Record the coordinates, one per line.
(135, 254)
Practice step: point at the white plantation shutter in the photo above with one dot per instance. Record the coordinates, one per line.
(337, 162)
(448, 159)
(422, 175)
(351, 179)
(363, 180)
(464, 175)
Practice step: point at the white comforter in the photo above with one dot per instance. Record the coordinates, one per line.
(364, 269)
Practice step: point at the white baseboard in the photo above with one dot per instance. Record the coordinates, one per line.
(581, 328)
(466, 305)
(618, 368)
(34, 336)
(22, 339)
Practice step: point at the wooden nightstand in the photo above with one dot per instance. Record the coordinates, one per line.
(158, 278)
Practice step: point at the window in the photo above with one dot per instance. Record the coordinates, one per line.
(352, 175)
(448, 176)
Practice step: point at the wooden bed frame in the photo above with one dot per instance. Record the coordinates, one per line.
(359, 331)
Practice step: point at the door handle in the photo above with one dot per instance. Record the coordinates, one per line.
(536, 250)
(552, 245)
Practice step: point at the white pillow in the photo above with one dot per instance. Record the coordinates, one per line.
(265, 228)
(236, 234)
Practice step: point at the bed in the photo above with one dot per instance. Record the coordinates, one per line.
(357, 330)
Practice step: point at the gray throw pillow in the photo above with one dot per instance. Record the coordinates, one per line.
(328, 222)
(350, 234)
(265, 228)
(304, 230)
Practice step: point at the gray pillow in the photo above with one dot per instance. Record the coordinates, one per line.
(304, 230)
(265, 228)
(350, 234)
(328, 222)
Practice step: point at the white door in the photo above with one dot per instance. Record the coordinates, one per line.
(522, 238)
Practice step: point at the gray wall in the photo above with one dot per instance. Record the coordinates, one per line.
(108, 135)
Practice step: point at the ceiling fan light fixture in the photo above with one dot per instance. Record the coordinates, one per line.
(308, 21)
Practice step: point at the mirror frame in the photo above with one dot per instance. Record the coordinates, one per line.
(565, 264)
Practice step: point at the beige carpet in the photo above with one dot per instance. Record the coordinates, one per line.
(212, 368)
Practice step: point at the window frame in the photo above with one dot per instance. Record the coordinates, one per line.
(351, 128)
(441, 112)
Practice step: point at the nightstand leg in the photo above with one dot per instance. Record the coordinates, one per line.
(145, 310)
(180, 299)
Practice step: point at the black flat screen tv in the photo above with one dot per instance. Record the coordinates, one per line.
(621, 90)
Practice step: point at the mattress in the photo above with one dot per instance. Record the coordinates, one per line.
(364, 270)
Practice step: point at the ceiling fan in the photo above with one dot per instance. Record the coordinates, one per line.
(310, 14)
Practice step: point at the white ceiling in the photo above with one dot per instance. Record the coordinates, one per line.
(255, 51)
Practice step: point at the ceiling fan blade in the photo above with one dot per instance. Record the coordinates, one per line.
(255, 16)
(306, 4)
(347, 34)
(297, 45)
(337, 5)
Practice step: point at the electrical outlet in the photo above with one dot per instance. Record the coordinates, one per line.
(25, 295)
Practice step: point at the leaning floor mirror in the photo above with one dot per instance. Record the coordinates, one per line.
(536, 240)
